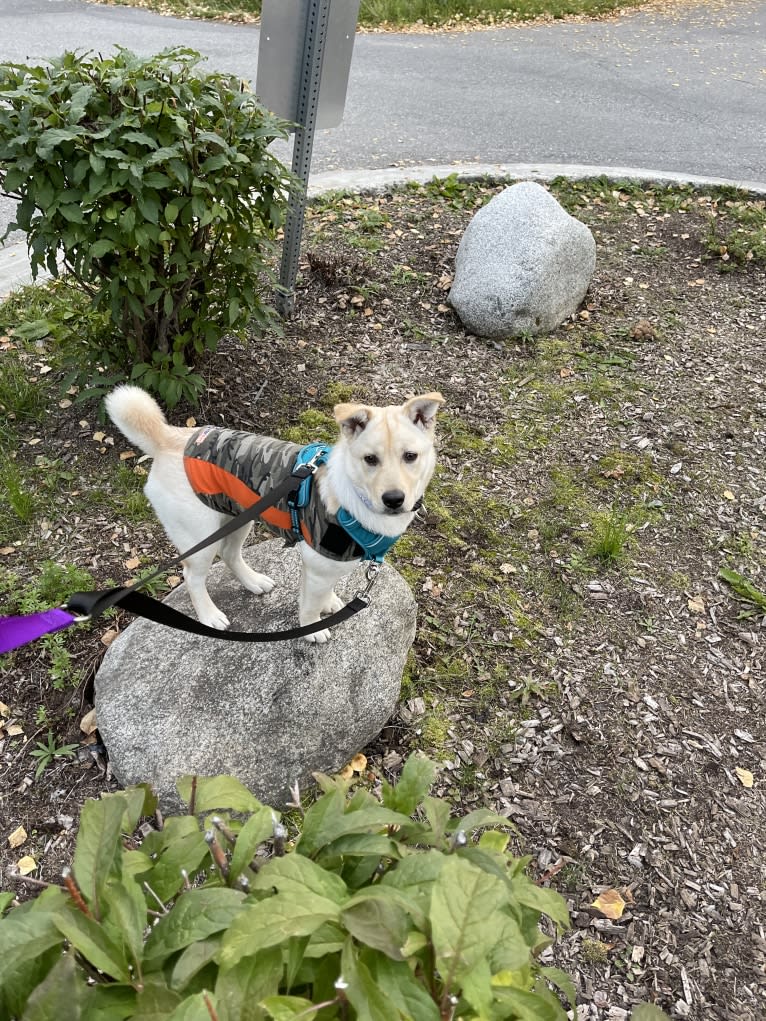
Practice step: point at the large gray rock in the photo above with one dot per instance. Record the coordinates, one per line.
(170, 703)
(522, 266)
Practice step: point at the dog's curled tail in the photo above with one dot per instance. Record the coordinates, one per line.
(139, 417)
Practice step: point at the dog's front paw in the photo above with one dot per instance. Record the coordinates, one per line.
(319, 637)
(258, 584)
(332, 605)
(215, 618)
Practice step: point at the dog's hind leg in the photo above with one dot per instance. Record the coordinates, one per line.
(231, 554)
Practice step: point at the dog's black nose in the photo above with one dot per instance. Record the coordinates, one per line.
(393, 499)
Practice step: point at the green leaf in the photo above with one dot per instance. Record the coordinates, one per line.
(404, 991)
(529, 1006)
(91, 940)
(272, 921)
(6, 899)
(743, 588)
(414, 784)
(476, 987)
(378, 921)
(285, 1008)
(58, 995)
(258, 828)
(463, 905)
(192, 960)
(180, 845)
(326, 821)
(27, 939)
(194, 1008)
(296, 876)
(125, 916)
(368, 1000)
(540, 898)
(98, 846)
(562, 981)
(648, 1012)
(240, 989)
(218, 792)
(108, 1003)
(197, 914)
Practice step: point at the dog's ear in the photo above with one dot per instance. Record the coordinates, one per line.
(421, 410)
(352, 418)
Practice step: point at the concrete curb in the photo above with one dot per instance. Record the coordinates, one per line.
(14, 264)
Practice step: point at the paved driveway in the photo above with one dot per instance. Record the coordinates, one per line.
(680, 91)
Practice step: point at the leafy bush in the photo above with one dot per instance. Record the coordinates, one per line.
(153, 186)
(369, 914)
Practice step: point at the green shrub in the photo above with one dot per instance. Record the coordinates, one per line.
(153, 186)
(369, 914)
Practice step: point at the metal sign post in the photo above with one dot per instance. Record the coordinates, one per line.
(304, 57)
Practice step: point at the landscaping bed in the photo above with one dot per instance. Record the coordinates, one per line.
(581, 666)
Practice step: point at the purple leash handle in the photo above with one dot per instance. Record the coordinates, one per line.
(18, 631)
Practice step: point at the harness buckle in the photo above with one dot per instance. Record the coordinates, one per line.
(373, 570)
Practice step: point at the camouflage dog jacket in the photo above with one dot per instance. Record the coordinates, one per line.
(230, 471)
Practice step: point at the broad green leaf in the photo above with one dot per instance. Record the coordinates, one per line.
(481, 817)
(530, 1006)
(437, 813)
(369, 1001)
(257, 829)
(218, 792)
(156, 1000)
(463, 903)
(405, 899)
(413, 786)
(476, 988)
(295, 876)
(192, 960)
(325, 822)
(124, 915)
(91, 940)
(511, 951)
(493, 841)
(6, 899)
(271, 921)
(108, 1003)
(58, 995)
(360, 845)
(648, 1012)
(562, 981)
(180, 846)
(194, 1008)
(285, 1008)
(404, 991)
(326, 940)
(99, 843)
(378, 922)
(28, 938)
(141, 801)
(240, 989)
(744, 589)
(416, 873)
(540, 898)
(196, 914)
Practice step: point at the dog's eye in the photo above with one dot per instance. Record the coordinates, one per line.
(410, 456)
(371, 460)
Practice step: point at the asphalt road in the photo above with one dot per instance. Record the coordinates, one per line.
(679, 90)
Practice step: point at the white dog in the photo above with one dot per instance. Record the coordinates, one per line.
(360, 501)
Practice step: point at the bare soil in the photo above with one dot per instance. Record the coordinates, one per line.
(580, 666)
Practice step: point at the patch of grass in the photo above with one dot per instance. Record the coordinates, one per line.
(739, 242)
(18, 504)
(312, 425)
(434, 736)
(397, 12)
(610, 537)
(24, 397)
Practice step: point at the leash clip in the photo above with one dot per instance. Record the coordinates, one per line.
(373, 570)
(81, 618)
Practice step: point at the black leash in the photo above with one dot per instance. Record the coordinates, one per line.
(90, 605)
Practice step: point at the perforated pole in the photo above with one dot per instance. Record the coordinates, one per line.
(308, 103)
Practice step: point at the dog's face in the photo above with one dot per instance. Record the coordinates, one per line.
(389, 454)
